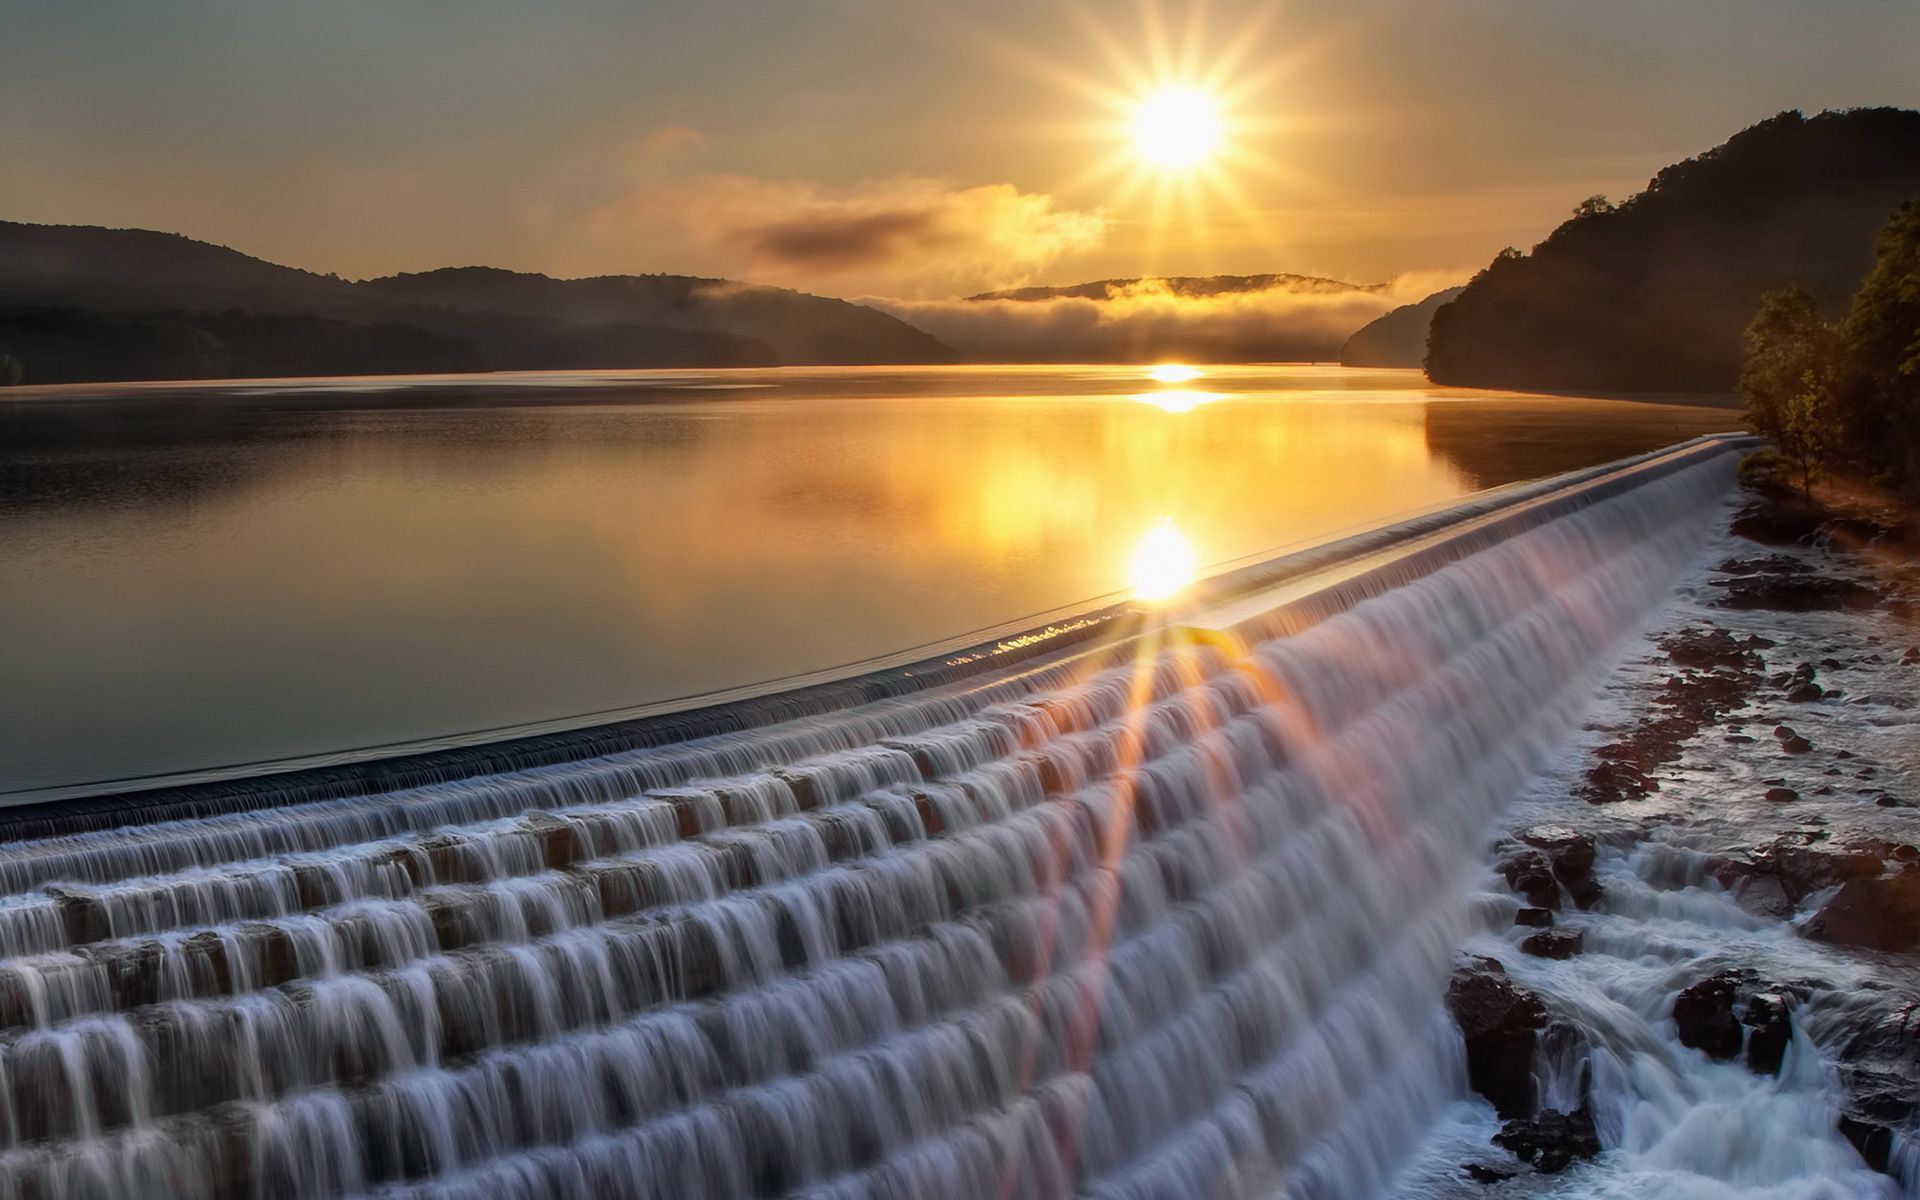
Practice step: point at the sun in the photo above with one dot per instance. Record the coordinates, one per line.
(1176, 128)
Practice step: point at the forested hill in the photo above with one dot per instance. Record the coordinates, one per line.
(81, 303)
(1655, 294)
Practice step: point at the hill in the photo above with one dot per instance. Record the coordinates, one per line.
(1655, 294)
(84, 303)
(1397, 339)
(1188, 287)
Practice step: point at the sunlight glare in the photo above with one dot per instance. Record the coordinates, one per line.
(1176, 128)
(1163, 562)
(1173, 373)
(1177, 400)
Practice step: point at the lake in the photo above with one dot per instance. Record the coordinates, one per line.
(220, 574)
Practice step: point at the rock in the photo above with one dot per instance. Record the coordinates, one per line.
(1551, 1141)
(1704, 1014)
(1570, 856)
(1806, 693)
(1778, 522)
(1797, 593)
(1881, 913)
(1763, 896)
(1770, 1031)
(1534, 918)
(1706, 649)
(1872, 1139)
(1554, 943)
(1795, 745)
(1782, 795)
(1529, 873)
(1480, 1173)
(1501, 1022)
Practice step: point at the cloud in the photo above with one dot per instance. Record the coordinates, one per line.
(907, 236)
(1148, 321)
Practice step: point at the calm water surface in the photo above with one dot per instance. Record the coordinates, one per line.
(209, 574)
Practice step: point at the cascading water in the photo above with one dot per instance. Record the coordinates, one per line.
(1173, 924)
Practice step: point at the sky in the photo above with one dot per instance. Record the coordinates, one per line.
(894, 147)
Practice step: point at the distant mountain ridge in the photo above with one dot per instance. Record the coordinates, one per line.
(87, 303)
(1184, 286)
(1397, 339)
(1655, 294)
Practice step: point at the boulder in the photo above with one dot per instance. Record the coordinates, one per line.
(1704, 1014)
(1770, 1029)
(1554, 943)
(1551, 1141)
(1881, 913)
(1570, 856)
(1781, 795)
(1529, 873)
(1534, 918)
(1501, 1023)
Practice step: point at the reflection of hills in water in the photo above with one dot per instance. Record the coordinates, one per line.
(1501, 441)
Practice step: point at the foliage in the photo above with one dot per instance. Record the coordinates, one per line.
(1653, 294)
(1792, 379)
(1844, 395)
(1883, 346)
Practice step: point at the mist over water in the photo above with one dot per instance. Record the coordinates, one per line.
(257, 570)
(1175, 926)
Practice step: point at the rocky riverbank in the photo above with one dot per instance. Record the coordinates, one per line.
(1698, 975)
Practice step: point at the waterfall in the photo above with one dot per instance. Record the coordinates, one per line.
(1169, 921)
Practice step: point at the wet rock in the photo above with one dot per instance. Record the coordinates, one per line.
(1795, 745)
(1481, 1173)
(1530, 873)
(1501, 1023)
(1872, 1139)
(1806, 693)
(1554, 943)
(1881, 913)
(1704, 1013)
(1570, 856)
(1781, 795)
(1705, 649)
(1779, 521)
(1763, 896)
(1534, 918)
(1798, 593)
(1551, 1141)
(1765, 564)
(1770, 1029)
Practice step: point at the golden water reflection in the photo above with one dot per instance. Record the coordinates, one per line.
(357, 569)
(1163, 562)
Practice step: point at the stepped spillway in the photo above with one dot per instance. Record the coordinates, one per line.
(1162, 905)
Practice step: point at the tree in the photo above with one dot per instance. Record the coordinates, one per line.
(1883, 343)
(1795, 370)
(1595, 205)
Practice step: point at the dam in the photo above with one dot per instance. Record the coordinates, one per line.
(1149, 901)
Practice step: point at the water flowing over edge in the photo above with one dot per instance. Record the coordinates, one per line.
(1168, 915)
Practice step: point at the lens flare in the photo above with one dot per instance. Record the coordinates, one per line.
(1163, 562)
(1173, 373)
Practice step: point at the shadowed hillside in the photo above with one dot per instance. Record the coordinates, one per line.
(1398, 339)
(79, 303)
(1653, 295)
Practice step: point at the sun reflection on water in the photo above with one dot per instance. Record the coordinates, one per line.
(1174, 373)
(1163, 562)
(1177, 400)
